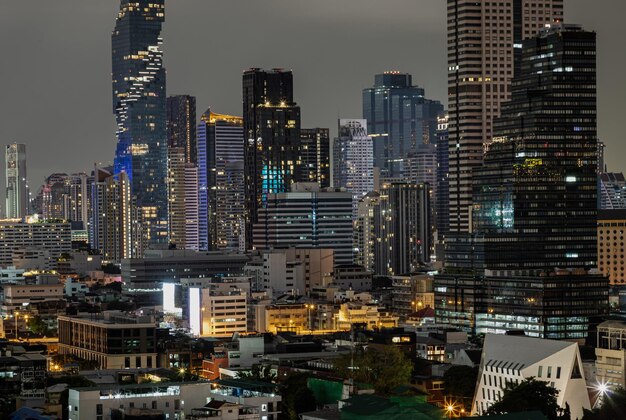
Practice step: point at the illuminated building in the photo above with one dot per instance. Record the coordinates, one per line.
(353, 159)
(181, 125)
(25, 297)
(115, 228)
(367, 231)
(66, 196)
(284, 317)
(442, 195)
(139, 105)
(411, 293)
(217, 312)
(272, 138)
(16, 183)
(611, 251)
(307, 217)
(171, 400)
(611, 354)
(54, 238)
(221, 182)
(23, 376)
(315, 156)
(534, 204)
(399, 119)
(404, 223)
(192, 231)
(106, 339)
(484, 48)
(370, 315)
(612, 191)
(508, 359)
(182, 186)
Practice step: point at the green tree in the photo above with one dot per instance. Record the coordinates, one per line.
(385, 369)
(528, 395)
(37, 325)
(613, 406)
(460, 382)
(259, 372)
(297, 397)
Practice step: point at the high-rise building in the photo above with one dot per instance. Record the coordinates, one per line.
(404, 221)
(315, 156)
(221, 182)
(176, 223)
(272, 138)
(531, 261)
(353, 159)
(67, 197)
(612, 191)
(115, 225)
(307, 217)
(192, 238)
(139, 105)
(16, 184)
(484, 39)
(399, 119)
(611, 250)
(181, 125)
(367, 233)
(442, 202)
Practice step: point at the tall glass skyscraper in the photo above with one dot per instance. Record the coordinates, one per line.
(399, 119)
(139, 104)
(16, 185)
(181, 125)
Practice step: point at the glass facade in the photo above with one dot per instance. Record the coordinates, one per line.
(399, 118)
(139, 105)
(181, 125)
(315, 156)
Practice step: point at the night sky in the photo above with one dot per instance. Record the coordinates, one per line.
(55, 81)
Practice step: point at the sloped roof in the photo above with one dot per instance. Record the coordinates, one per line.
(520, 350)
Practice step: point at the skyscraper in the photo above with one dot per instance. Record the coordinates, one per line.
(612, 191)
(221, 182)
(139, 105)
(484, 39)
(16, 184)
(353, 160)
(176, 223)
(442, 202)
(272, 138)
(181, 125)
(533, 255)
(315, 156)
(399, 119)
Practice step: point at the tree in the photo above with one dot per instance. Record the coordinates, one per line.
(460, 382)
(259, 372)
(529, 395)
(297, 397)
(385, 369)
(37, 325)
(613, 406)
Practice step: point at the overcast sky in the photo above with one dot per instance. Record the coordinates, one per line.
(55, 82)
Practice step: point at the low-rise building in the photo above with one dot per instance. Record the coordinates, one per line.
(611, 353)
(512, 359)
(261, 395)
(217, 313)
(352, 276)
(114, 339)
(172, 400)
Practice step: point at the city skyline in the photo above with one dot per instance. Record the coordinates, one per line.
(86, 59)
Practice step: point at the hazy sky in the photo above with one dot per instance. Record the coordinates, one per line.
(55, 82)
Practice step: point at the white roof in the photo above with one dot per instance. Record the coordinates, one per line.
(519, 351)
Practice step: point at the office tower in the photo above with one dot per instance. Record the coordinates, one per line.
(272, 138)
(367, 231)
(66, 196)
(176, 224)
(399, 119)
(192, 238)
(353, 159)
(534, 252)
(307, 217)
(16, 184)
(221, 182)
(442, 202)
(612, 191)
(535, 193)
(217, 313)
(139, 105)
(315, 156)
(115, 225)
(404, 221)
(181, 125)
(484, 40)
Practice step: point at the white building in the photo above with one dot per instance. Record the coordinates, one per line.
(19, 297)
(353, 159)
(217, 313)
(170, 400)
(53, 237)
(508, 358)
(611, 353)
(16, 184)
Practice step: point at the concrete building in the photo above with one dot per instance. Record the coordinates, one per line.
(284, 317)
(26, 297)
(411, 293)
(352, 276)
(370, 315)
(217, 313)
(611, 251)
(114, 339)
(173, 400)
(17, 200)
(307, 217)
(353, 159)
(53, 237)
(23, 376)
(367, 231)
(512, 359)
(260, 395)
(612, 190)
(611, 354)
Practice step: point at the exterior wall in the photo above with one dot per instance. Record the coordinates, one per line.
(611, 251)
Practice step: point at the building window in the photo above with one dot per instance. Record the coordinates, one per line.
(540, 372)
(98, 408)
(558, 372)
(127, 362)
(549, 371)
